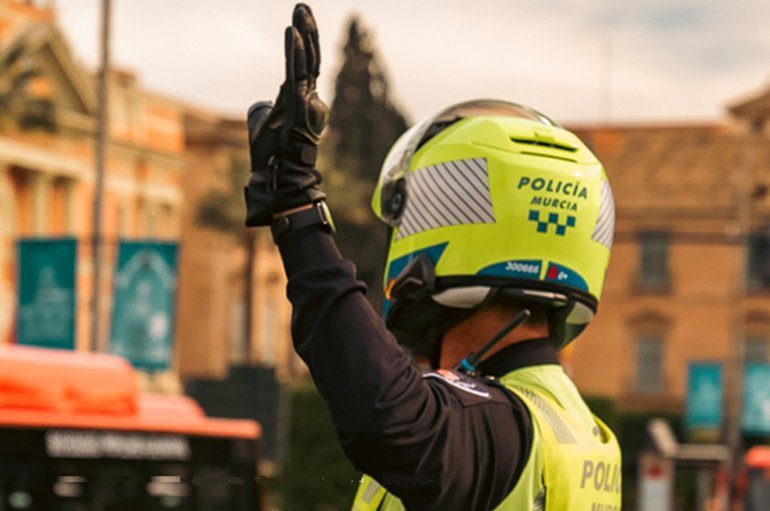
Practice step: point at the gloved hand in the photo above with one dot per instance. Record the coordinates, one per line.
(284, 138)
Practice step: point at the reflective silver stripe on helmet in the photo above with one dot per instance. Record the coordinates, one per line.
(448, 193)
(605, 224)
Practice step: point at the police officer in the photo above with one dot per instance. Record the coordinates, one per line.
(495, 212)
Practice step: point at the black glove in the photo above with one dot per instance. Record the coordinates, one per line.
(284, 138)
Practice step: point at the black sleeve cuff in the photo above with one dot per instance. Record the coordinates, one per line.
(307, 248)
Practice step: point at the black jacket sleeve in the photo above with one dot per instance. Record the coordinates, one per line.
(444, 441)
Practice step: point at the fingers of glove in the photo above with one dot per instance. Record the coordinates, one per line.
(258, 114)
(305, 22)
(300, 58)
(295, 68)
(289, 49)
(315, 68)
(302, 18)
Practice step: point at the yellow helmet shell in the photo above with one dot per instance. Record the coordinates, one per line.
(498, 196)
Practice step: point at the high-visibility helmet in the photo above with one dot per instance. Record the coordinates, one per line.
(488, 198)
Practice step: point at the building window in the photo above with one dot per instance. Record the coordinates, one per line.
(758, 264)
(653, 271)
(69, 206)
(649, 364)
(755, 349)
(41, 189)
(654, 254)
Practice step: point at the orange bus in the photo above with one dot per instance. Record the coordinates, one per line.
(77, 435)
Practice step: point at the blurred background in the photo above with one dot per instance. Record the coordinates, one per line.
(121, 227)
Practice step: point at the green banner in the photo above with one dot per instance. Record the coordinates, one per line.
(705, 393)
(755, 420)
(144, 304)
(46, 292)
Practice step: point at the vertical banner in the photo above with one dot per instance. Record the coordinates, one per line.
(705, 394)
(46, 292)
(756, 399)
(144, 304)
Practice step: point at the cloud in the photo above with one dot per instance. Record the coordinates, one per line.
(669, 59)
(657, 17)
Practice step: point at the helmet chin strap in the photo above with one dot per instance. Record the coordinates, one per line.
(468, 364)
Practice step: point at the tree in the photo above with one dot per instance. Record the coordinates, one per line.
(318, 476)
(19, 105)
(364, 124)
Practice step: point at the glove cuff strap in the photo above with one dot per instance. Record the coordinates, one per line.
(318, 215)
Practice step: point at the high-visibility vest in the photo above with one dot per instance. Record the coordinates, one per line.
(574, 463)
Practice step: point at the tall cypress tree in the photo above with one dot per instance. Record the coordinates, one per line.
(364, 124)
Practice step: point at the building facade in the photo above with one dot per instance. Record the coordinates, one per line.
(688, 277)
(221, 322)
(47, 179)
(158, 168)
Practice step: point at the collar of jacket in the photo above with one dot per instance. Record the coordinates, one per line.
(531, 352)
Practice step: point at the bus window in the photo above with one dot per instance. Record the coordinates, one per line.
(76, 435)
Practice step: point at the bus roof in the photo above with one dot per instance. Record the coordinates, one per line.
(52, 388)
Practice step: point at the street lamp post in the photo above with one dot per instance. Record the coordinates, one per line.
(100, 152)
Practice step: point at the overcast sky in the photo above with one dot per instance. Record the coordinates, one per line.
(575, 60)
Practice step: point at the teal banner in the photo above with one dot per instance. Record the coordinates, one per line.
(144, 304)
(756, 399)
(46, 292)
(705, 394)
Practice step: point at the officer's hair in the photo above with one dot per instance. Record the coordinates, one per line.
(508, 306)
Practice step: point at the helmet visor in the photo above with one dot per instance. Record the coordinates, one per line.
(392, 184)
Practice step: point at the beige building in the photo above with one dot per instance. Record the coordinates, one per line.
(215, 266)
(47, 179)
(683, 284)
(163, 157)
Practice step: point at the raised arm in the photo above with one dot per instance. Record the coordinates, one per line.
(429, 442)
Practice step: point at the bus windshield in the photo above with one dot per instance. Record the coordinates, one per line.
(76, 434)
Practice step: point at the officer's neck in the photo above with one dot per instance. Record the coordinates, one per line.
(473, 333)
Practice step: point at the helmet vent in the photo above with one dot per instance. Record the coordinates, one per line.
(544, 143)
(530, 153)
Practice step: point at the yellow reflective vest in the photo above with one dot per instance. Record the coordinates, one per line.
(574, 463)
